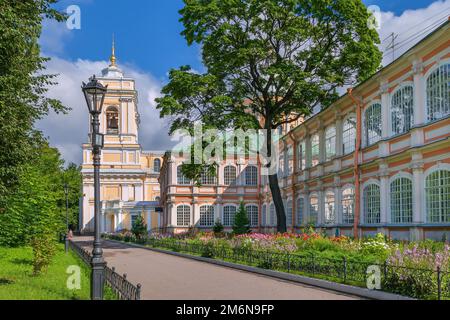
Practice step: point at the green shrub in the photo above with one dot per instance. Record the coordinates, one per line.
(218, 228)
(241, 224)
(44, 249)
(208, 250)
(139, 228)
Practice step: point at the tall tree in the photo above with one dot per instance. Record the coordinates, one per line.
(269, 63)
(23, 85)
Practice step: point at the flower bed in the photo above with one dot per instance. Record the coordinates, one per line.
(418, 270)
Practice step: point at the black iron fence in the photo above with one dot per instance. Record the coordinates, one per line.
(124, 289)
(412, 282)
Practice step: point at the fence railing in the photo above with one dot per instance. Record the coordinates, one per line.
(124, 289)
(412, 282)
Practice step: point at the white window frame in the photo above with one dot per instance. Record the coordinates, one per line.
(289, 213)
(181, 179)
(207, 214)
(183, 215)
(440, 202)
(348, 135)
(314, 209)
(315, 150)
(228, 177)
(405, 107)
(272, 215)
(371, 204)
(330, 207)
(253, 216)
(330, 142)
(302, 155)
(443, 95)
(251, 176)
(371, 120)
(300, 211)
(345, 203)
(228, 217)
(401, 199)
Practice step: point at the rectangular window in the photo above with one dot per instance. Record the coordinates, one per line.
(315, 150)
(330, 143)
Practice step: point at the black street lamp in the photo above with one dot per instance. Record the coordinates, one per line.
(95, 92)
(66, 237)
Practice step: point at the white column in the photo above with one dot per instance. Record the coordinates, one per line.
(138, 192)
(118, 222)
(149, 220)
(384, 198)
(419, 94)
(384, 90)
(322, 151)
(218, 211)
(308, 151)
(418, 193)
(321, 213)
(195, 213)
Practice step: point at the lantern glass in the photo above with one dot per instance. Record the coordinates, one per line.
(94, 92)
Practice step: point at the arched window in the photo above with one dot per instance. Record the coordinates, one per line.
(401, 200)
(373, 124)
(349, 135)
(183, 216)
(264, 215)
(112, 120)
(330, 142)
(437, 191)
(181, 179)
(289, 213)
(330, 213)
(315, 150)
(229, 212)
(229, 175)
(251, 176)
(273, 215)
(206, 216)
(372, 209)
(313, 208)
(348, 205)
(302, 155)
(206, 178)
(300, 211)
(402, 106)
(438, 93)
(252, 214)
(156, 165)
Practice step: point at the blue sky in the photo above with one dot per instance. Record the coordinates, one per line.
(149, 44)
(148, 32)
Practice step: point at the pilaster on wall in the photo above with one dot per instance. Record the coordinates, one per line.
(419, 94)
(384, 90)
(384, 193)
(418, 187)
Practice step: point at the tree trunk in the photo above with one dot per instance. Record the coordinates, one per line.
(275, 190)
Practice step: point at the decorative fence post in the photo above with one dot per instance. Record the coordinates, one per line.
(138, 291)
(289, 262)
(345, 269)
(439, 283)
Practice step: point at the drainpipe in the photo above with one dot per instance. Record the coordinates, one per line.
(293, 178)
(356, 164)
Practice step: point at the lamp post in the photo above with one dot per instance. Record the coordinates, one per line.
(95, 92)
(66, 236)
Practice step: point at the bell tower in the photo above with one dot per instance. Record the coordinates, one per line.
(119, 120)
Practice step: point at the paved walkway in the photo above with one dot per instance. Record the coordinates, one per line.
(166, 277)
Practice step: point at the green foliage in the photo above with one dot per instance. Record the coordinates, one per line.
(267, 60)
(23, 85)
(139, 228)
(218, 227)
(241, 224)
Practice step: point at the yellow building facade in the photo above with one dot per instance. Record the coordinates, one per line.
(128, 175)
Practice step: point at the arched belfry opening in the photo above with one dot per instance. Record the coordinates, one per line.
(112, 120)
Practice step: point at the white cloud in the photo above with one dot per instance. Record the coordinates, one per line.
(411, 26)
(68, 132)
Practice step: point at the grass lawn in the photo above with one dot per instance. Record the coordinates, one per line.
(18, 283)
